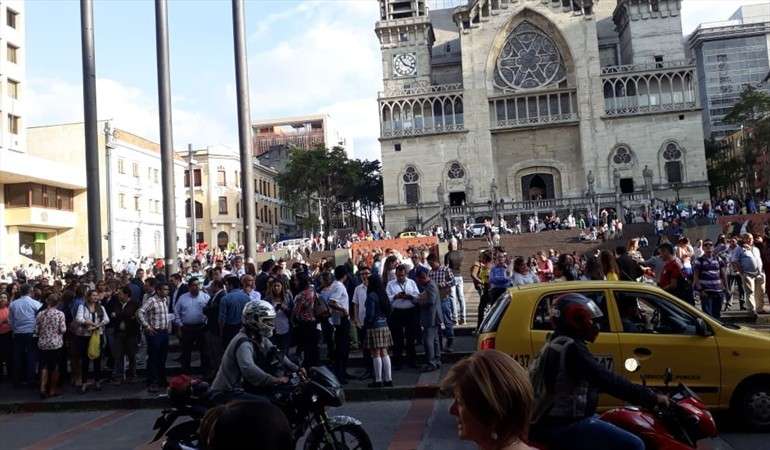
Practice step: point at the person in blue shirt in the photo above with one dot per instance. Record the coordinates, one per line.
(499, 279)
(231, 308)
(21, 316)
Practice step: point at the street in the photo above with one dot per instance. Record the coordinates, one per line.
(393, 425)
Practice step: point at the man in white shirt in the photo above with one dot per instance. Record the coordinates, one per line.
(404, 318)
(748, 261)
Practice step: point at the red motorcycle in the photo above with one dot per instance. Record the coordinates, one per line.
(678, 427)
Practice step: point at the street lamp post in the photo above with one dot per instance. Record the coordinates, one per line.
(419, 218)
(191, 178)
(676, 187)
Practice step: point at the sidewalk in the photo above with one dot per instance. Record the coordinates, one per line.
(408, 383)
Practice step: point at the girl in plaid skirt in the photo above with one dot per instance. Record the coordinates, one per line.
(378, 337)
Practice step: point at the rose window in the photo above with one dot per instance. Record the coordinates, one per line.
(672, 153)
(456, 171)
(411, 175)
(529, 60)
(622, 156)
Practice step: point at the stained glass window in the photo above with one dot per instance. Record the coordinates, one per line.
(456, 171)
(529, 59)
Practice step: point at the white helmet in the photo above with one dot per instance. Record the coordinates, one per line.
(258, 317)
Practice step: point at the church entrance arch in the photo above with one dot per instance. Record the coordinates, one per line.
(537, 186)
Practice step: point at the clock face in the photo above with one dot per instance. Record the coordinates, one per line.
(404, 64)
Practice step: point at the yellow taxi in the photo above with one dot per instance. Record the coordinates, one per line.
(727, 365)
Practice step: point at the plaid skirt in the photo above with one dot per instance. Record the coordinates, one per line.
(378, 338)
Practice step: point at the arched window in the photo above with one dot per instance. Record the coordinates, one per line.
(411, 185)
(456, 171)
(672, 156)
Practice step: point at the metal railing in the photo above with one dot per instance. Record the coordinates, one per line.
(405, 132)
(532, 109)
(420, 88)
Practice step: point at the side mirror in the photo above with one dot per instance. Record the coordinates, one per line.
(702, 328)
(632, 365)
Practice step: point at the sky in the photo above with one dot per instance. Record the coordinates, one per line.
(305, 56)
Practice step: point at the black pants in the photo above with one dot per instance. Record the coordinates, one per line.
(404, 327)
(307, 343)
(82, 342)
(193, 337)
(484, 302)
(341, 348)
(327, 330)
(24, 358)
(6, 354)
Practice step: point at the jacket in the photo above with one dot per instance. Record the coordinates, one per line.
(123, 318)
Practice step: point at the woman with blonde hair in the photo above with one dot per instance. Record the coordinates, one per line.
(493, 400)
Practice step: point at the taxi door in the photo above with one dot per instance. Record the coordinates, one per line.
(662, 334)
(606, 348)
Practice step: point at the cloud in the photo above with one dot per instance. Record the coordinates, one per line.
(52, 101)
(332, 65)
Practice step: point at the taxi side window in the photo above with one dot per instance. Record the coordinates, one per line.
(647, 313)
(542, 320)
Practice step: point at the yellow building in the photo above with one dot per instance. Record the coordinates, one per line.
(217, 186)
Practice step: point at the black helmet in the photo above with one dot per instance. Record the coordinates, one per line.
(574, 315)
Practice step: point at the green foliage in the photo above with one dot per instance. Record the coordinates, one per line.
(340, 184)
(752, 106)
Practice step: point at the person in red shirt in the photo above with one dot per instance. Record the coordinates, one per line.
(672, 278)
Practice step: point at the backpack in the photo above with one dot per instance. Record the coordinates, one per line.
(544, 395)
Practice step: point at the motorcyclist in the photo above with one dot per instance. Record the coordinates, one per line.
(251, 365)
(572, 379)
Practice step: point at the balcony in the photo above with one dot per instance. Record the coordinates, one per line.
(658, 87)
(420, 110)
(557, 107)
(40, 217)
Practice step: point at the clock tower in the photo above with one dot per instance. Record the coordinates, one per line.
(406, 37)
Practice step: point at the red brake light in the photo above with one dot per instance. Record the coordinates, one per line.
(487, 343)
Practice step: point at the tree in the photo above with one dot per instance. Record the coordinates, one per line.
(340, 185)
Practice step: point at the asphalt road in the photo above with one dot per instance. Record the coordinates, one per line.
(393, 425)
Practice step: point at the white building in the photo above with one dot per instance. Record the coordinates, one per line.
(135, 196)
(536, 103)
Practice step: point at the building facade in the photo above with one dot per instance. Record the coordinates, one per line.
(297, 132)
(216, 183)
(130, 186)
(730, 56)
(509, 102)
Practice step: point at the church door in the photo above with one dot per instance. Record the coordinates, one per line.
(537, 186)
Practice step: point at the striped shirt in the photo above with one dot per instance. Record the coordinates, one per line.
(709, 272)
(154, 313)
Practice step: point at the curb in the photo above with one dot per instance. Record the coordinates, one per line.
(351, 395)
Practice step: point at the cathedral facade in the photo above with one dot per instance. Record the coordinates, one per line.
(519, 103)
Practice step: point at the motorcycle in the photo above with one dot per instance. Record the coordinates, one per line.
(680, 426)
(304, 401)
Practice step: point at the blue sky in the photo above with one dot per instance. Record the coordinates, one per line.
(304, 57)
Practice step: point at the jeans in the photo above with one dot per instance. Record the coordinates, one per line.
(123, 345)
(24, 358)
(431, 345)
(447, 313)
(157, 351)
(591, 433)
(308, 343)
(711, 303)
(6, 351)
(458, 299)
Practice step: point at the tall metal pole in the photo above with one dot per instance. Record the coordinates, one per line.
(244, 130)
(166, 141)
(93, 195)
(191, 172)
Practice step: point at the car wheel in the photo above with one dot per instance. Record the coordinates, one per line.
(755, 406)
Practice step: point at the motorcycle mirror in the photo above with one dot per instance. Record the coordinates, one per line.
(632, 365)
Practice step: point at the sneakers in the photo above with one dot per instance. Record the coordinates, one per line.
(376, 384)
